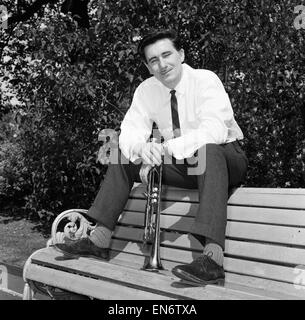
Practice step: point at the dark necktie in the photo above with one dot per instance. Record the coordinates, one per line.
(175, 116)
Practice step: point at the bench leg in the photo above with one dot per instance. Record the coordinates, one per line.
(28, 292)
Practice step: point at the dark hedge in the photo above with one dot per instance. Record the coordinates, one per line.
(78, 81)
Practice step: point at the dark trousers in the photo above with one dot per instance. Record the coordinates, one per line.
(222, 168)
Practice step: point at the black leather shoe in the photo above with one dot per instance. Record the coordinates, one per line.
(83, 247)
(202, 270)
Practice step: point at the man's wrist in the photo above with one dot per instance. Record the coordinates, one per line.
(137, 150)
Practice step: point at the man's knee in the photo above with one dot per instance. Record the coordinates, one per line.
(208, 156)
(215, 155)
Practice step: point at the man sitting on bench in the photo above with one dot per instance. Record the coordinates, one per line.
(194, 115)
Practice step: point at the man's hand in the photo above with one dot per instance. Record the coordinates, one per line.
(150, 152)
(145, 168)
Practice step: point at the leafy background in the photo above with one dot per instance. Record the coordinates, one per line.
(62, 83)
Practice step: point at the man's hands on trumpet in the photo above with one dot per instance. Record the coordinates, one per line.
(151, 154)
(145, 168)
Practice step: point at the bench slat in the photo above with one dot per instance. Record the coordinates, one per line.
(263, 197)
(130, 277)
(248, 250)
(268, 280)
(268, 216)
(231, 265)
(272, 253)
(258, 215)
(277, 198)
(283, 289)
(239, 230)
(88, 286)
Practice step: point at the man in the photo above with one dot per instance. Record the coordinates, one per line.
(195, 118)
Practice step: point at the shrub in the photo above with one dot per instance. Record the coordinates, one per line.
(13, 174)
(75, 82)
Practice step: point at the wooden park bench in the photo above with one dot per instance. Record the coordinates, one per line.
(264, 252)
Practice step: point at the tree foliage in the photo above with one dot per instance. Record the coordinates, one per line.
(62, 84)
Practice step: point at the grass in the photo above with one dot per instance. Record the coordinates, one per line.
(19, 238)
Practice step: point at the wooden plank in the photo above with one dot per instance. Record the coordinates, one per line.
(267, 233)
(246, 250)
(163, 285)
(285, 290)
(286, 217)
(262, 197)
(277, 198)
(280, 288)
(173, 222)
(278, 191)
(167, 207)
(239, 230)
(261, 270)
(266, 252)
(99, 289)
(250, 281)
(267, 276)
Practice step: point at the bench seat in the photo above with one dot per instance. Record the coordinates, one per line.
(264, 251)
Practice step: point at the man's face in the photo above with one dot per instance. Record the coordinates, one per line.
(164, 62)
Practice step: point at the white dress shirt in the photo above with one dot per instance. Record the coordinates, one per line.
(204, 108)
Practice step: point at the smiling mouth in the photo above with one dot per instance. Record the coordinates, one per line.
(165, 73)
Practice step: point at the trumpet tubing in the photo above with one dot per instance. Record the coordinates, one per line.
(152, 218)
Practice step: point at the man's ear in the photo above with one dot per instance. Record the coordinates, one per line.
(182, 55)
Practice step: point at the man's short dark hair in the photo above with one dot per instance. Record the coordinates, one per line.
(154, 37)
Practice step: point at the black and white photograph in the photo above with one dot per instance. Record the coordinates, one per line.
(152, 153)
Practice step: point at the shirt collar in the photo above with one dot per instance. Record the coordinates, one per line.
(181, 86)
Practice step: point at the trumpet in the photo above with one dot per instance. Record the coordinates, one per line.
(152, 219)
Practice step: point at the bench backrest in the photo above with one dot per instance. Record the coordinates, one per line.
(265, 235)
